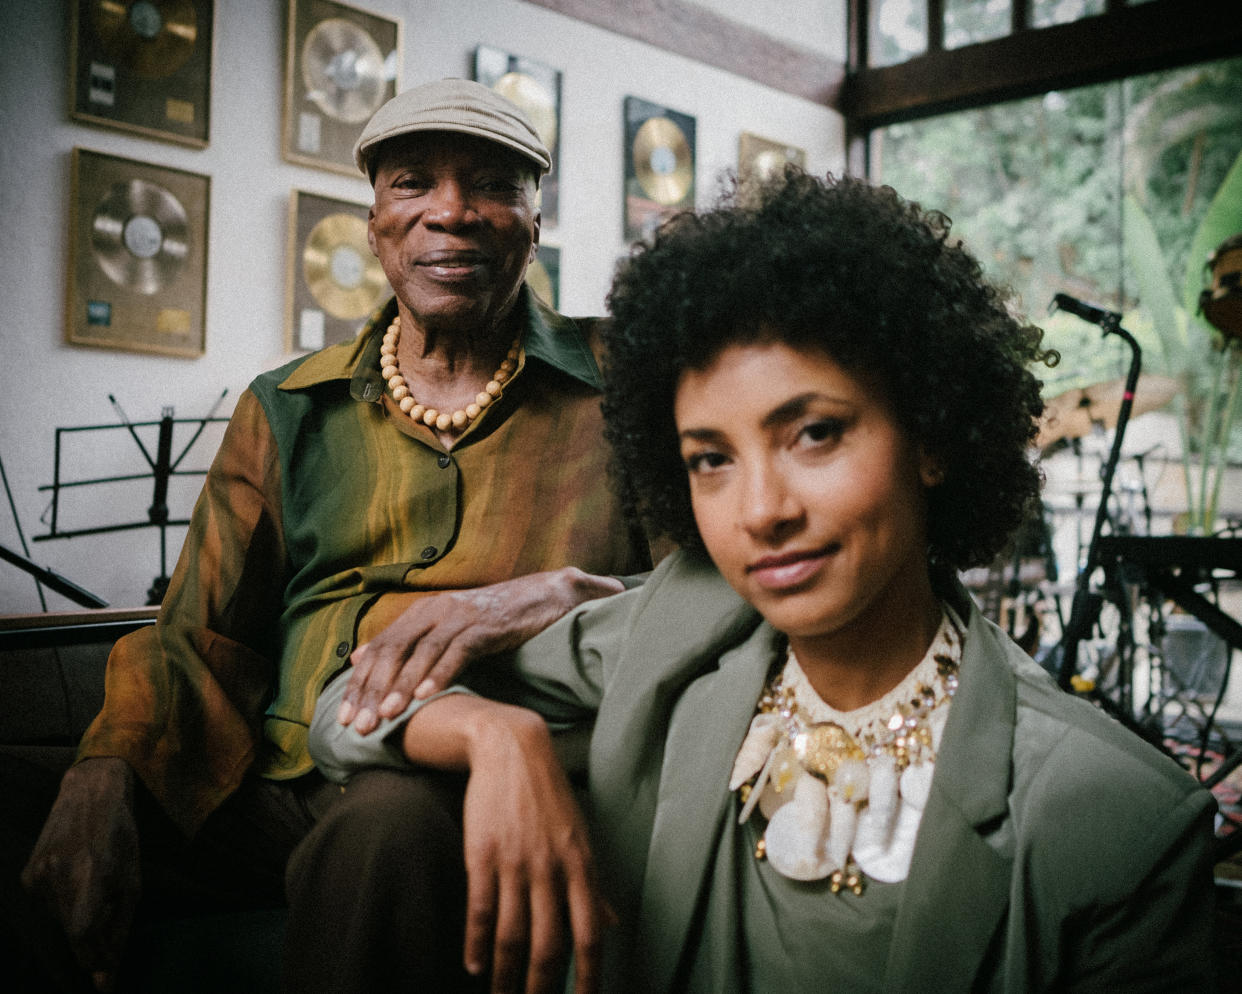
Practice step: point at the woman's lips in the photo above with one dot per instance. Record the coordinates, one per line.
(790, 570)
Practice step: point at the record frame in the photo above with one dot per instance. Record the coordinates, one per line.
(757, 157)
(642, 212)
(491, 65)
(104, 91)
(170, 319)
(309, 325)
(310, 134)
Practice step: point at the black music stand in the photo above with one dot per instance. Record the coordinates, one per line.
(164, 466)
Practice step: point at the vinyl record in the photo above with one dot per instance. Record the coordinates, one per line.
(140, 236)
(343, 276)
(533, 97)
(343, 70)
(662, 161)
(151, 38)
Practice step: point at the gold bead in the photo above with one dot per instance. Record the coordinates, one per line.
(761, 849)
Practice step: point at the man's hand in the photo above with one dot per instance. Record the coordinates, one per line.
(528, 860)
(85, 864)
(419, 653)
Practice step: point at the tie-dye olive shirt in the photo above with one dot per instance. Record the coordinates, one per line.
(325, 513)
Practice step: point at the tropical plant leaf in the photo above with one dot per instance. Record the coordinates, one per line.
(1222, 219)
(1157, 295)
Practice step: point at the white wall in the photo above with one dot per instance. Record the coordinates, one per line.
(45, 383)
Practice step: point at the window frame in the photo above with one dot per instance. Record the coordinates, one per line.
(1123, 41)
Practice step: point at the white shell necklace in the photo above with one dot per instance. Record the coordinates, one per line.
(843, 792)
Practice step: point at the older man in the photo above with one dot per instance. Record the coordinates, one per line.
(429, 493)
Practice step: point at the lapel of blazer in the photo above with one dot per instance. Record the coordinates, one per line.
(956, 875)
(689, 617)
(694, 800)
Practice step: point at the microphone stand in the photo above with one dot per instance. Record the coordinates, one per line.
(1080, 612)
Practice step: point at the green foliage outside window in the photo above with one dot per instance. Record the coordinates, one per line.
(1114, 194)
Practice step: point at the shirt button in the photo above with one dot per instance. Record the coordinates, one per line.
(443, 460)
(430, 552)
(342, 650)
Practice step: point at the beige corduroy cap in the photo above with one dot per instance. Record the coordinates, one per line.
(452, 105)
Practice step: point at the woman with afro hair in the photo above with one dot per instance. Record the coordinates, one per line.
(813, 765)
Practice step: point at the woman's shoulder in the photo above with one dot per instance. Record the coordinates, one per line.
(1091, 797)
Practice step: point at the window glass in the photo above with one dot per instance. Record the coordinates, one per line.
(1048, 12)
(1103, 192)
(970, 21)
(896, 31)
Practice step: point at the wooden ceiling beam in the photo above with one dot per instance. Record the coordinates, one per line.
(704, 36)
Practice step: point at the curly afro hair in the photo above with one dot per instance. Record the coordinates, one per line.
(869, 279)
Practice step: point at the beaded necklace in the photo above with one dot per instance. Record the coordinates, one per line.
(458, 420)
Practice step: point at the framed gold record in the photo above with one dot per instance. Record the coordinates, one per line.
(334, 282)
(535, 88)
(137, 256)
(143, 66)
(760, 159)
(659, 165)
(341, 65)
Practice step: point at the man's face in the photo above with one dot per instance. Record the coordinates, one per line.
(454, 226)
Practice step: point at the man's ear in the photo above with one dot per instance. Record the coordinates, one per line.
(534, 245)
(370, 230)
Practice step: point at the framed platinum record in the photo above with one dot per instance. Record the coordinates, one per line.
(137, 256)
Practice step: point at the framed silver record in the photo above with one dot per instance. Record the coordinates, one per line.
(334, 281)
(137, 256)
(143, 66)
(341, 65)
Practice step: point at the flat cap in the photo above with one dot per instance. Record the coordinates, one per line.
(453, 105)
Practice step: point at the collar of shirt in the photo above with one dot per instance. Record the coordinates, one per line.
(552, 338)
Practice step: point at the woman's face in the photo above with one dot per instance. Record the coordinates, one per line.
(807, 495)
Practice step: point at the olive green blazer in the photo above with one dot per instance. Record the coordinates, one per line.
(1057, 851)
